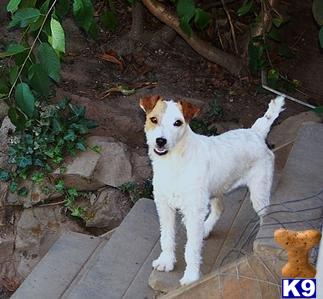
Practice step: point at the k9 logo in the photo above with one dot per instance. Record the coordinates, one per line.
(299, 288)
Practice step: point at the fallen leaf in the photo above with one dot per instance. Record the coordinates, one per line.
(113, 57)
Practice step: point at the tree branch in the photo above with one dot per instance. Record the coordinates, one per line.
(232, 63)
(137, 26)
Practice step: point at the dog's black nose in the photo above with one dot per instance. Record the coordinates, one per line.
(161, 141)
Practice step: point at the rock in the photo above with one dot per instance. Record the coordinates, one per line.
(3, 110)
(142, 169)
(79, 172)
(282, 136)
(6, 128)
(36, 193)
(37, 229)
(91, 170)
(109, 209)
(286, 132)
(114, 167)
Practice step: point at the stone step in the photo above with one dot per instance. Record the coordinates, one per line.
(247, 277)
(298, 201)
(233, 231)
(59, 267)
(120, 269)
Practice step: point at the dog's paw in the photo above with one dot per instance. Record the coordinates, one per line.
(165, 262)
(189, 277)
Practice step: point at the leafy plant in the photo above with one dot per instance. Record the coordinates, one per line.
(138, 190)
(318, 16)
(45, 133)
(189, 13)
(204, 125)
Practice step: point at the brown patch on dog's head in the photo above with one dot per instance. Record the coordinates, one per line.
(189, 110)
(154, 106)
(148, 103)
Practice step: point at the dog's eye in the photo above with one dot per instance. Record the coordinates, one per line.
(178, 123)
(153, 120)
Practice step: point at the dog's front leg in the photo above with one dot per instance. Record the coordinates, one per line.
(194, 221)
(166, 260)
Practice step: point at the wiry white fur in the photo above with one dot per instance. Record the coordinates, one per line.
(198, 170)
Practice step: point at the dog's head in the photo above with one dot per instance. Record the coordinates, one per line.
(166, 122)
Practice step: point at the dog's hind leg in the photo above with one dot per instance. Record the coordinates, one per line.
(216, 210)
(259, 183)
(194, 222)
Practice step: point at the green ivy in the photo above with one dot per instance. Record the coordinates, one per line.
(45, 132)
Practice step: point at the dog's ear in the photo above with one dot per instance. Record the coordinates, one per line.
(148, 103)
(189, 110)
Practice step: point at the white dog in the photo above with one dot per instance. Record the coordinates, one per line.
(193, 171)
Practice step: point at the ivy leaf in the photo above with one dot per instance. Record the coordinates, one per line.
(185, 25)
(24, 17)
(273, 77)
(13, 187)
(245, 8)
(278, 21)
(58, 36)
(25, 99)
(77, 212)
(185, 8)
(201, 18)
(4, 175)
(321, 37)
(318, 109)
(81, 146)
(317, 9)
(109, 20)
(23, 162)
(49, 60)
(12, 50)
(23, 192)
(83, 12)
(12, 6)
(274, 34)
(60, 186)
(38, 79)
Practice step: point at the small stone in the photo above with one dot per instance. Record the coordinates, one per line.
(109, 209)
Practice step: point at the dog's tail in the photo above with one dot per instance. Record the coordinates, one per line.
(263, 124)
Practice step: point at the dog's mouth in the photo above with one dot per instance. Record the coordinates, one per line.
(160, 151)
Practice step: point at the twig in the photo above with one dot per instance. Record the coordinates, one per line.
(31, 48)
(51, 204)
(232, 63)
(3, 198)
(231, 26)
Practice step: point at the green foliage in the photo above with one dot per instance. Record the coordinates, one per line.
(245, 8)
(109, 20)
(45, 133)
(317, 10)
(188, 13)
(138, 190)
(58, 36)
(83, 13)
(24, 17)
(205, 125)
(318, 16)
